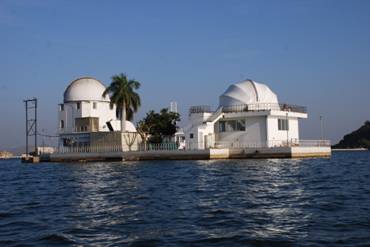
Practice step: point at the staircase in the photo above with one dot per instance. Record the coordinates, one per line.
(215, 116)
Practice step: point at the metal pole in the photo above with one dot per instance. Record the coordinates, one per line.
(26, 128)
(287, 129)
(322, 127)
(35, 101)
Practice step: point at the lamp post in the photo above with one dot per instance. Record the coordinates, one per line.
(322, 127)
(287, 130)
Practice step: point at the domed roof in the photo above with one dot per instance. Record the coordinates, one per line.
(85, 88)
(247, 92)
(130, 127)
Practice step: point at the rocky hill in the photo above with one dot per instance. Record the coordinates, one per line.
(357, 139)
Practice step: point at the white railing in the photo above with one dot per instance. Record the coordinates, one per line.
(104, 148)
(158, 146)
(191, 146)
(274, 143)
(314, 143)
(251, 108)
(90, 149)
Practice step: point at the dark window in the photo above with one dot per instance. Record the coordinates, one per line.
(283, 124)
(111, 106)
(221, 126)
(240, 125)
(61, 107)
(231, 125)
(62, 124)
(78, 105)
(94, 105)
(191, 135)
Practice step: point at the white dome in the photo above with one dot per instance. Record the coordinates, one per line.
(247, 92)
(130, 127)
(85, 88)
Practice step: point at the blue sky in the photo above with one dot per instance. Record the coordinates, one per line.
(312, 53)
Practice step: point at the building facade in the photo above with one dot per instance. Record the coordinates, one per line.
(249, 115)
(85, 116)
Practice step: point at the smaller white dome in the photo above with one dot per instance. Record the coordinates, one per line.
(130, 127)
(85, 89)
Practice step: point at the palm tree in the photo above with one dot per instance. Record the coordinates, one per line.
(122, 94)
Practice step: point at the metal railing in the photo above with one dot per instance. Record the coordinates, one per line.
(274, 143)
(104, 148)
(89, 149)
(191, 146)
(158, 146)
(251, 108)
(200, 109)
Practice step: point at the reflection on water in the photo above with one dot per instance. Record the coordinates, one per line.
(269, 202)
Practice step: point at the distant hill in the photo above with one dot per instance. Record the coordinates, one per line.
(357, 139)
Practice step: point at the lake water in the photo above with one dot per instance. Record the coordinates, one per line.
(277, 202)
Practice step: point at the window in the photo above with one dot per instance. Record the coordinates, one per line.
(94, 105)
(78, 105)
(111, 106)
(283, 124)
(61, 107)
(231, 125)
(221, 126)
(62, 124)
(240, 125)
(191, 135)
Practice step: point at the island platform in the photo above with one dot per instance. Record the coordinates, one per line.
(205, 154)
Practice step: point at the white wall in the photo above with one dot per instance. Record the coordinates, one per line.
(255, 132)
(198, 130)
(261, 130)
(70, 112)
(276, 136)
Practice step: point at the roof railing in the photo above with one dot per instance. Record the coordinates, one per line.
(200, 109)
(251, 108)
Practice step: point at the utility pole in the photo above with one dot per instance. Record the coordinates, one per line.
(322, 127)
(31, 123)
(287, 130)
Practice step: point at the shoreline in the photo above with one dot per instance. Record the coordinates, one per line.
(349, 149)
(205, 154)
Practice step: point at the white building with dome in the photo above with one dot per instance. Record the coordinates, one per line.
(249, 115)
(85, 116)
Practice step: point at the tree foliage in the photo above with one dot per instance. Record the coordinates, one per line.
(122, 92)
(158, 126)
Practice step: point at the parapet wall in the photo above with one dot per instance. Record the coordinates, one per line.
(225, 153)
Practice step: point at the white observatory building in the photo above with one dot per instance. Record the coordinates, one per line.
(85, 116)
(249, 115)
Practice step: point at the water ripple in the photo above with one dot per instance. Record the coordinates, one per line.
(276, 202)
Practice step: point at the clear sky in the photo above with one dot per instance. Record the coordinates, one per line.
(311, 53)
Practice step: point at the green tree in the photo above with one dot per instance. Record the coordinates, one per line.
(159, 125)
(123, 94)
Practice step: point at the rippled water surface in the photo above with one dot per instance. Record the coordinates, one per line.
(309, 202)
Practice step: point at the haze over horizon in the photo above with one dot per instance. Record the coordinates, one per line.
(310, 53)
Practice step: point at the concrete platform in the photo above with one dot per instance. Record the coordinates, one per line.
(225, 153)
(31, 159)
